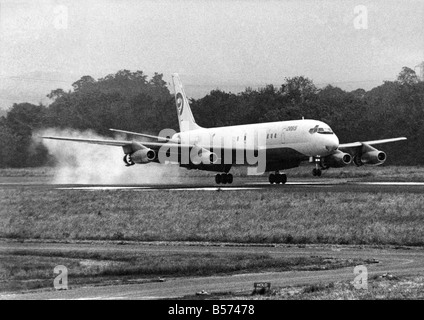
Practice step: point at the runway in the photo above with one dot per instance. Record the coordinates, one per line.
(401, 261)
(324, 185)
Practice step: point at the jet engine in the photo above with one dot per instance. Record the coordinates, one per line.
(375, 157)
(140, 156)
(203, 156)
(337, 160)
(208, 157)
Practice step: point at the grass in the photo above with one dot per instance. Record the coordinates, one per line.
(379, 288)
(25, 269)
(27, 172)
(258, 216)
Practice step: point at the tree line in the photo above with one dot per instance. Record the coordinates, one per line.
(131, 101)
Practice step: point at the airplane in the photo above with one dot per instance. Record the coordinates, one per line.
(283, 144)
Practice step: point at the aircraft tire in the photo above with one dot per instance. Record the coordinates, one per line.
(229, 178)
(224, 178)
(278, 178)
(218, 179)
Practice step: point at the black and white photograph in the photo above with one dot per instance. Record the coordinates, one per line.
(214, 157)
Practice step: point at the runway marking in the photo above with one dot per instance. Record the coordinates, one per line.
(248, 186)
(101, 188)
(154, 189)
(216, 189)
(393, 183)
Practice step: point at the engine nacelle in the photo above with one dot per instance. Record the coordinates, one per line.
(203, 156)
(209, 157)
(143, 156)
(338, 159)
(376, 157)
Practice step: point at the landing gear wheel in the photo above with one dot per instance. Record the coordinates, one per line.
(229, 178)
(224, 178)
(316, 172)
(218, 179)
(278, 178)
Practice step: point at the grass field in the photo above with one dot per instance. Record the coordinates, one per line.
(25, 269)
(386, 287)
(250, 216)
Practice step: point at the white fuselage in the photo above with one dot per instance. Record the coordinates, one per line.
(309, 138)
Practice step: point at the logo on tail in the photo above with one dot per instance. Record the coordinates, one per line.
(180, 102)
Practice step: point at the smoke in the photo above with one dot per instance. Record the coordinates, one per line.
(83, 163)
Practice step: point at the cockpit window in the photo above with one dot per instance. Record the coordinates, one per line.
(325, 130)
(321, 130)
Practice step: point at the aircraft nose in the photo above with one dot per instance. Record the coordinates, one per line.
(332, 143)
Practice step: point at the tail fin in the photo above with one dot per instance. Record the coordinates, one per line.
(185, 117)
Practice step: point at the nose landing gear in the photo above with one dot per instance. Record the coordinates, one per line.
(316, 172)
(319, 167)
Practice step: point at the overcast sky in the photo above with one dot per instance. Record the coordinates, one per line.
(212, 44)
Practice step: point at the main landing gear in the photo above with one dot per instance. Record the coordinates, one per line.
(277, 178)
(224, 178)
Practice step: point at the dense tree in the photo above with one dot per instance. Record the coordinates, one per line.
(407, 76)
(9, 144)
(17, 129)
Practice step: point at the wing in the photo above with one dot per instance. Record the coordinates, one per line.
(119, 143)
(370, 143)
(171, 143)
(129, 147)
(116, 143)
(144, 135)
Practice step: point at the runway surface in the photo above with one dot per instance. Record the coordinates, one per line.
(199, 184)
(401, 261)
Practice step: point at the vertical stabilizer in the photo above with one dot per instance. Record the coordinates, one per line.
(185, 116)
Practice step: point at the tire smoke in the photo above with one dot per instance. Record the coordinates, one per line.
(84, 163)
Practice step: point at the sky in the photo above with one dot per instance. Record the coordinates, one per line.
(49, 44)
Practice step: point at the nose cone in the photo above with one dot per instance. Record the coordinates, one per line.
(331, 143)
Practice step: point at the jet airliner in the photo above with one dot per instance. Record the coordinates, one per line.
(283, 144)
